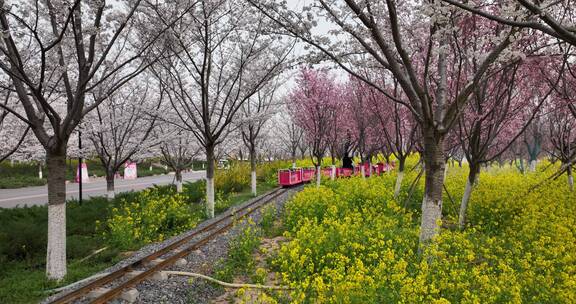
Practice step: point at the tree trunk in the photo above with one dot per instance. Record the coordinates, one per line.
(178, 180)
(470, 183)
(40, 170)
(362, 170)
(400, 176)
(532, 165)
(432, 203)
(210, 181)
(110, 191)
(521, 167)
(332, 157)
(253, 170)
(318, 175)
(56, 251)
(333, 172)
(369, 166)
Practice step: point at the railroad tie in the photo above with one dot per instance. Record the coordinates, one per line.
(154, 262)
(132, 274)
(129, 295)
(180, 262)
(159, 276)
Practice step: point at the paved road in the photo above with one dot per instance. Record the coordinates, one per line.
(10, 198)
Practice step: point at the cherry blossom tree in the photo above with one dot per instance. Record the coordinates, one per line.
(256, 111)
(358, 121)
(120, 127)
(179, 149)
(313, 104)
(220, 57)
(489, 124)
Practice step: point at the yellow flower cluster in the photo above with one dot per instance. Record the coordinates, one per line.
(151, 217)
(351, 242)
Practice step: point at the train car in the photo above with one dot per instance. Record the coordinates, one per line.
(358, 169)
(381, 168)
(289, 177)
(308, 174)
(327, 171)
(344, 172)
(376, 170)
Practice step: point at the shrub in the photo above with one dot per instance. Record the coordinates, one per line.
(267, 221)
(240, 259)
(152, 216)
(233, 180)
(195, 191)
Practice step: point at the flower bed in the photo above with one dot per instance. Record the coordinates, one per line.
(351, 242)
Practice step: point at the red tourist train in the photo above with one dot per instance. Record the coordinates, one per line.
(297, 176)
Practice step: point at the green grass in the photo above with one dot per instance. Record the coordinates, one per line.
(20, 283)
(23, 247)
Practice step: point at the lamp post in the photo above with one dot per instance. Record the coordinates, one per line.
(79, 166)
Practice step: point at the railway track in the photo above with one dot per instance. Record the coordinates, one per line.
(143, 268)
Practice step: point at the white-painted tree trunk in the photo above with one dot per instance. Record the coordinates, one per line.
(56, 253)
(333, 173)
(56, 247)
(433, 165)
(398, 186)
(110, 187)
(464, 204)
(532, 166)
(40, 171)
(253, 182)
(110, 194)
(178, 180)
(318, 176)
(293, 165)
(150, 168)
(362, 171)
(210, 197)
